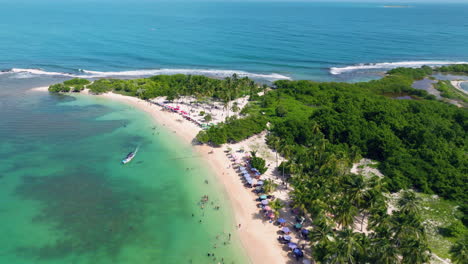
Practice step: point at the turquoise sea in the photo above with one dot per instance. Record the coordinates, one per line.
(65, 198)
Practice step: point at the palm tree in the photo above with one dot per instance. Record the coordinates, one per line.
(269, 186)
(345, 213)
(274, 141)
(384, 251)
(459, 251)
(139, 92)
(322, 231)
(409, 202)
(276, 205)
(414, 251)
(346, 248)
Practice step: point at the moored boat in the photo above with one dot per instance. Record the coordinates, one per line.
(129, 157)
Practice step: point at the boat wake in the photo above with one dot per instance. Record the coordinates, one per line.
(30, 73)
(390, 65)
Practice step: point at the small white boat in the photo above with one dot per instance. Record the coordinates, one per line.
(130, 156)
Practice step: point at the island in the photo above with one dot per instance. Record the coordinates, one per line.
(357, 169)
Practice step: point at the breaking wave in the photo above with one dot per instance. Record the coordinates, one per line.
(391, 65)
(25, 73)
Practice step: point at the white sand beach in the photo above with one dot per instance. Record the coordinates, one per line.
(457, 84)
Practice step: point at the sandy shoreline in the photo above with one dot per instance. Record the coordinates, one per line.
(457, 84)
(258, 237)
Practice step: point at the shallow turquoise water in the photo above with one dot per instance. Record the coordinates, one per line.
(464, 85)
(67, 199)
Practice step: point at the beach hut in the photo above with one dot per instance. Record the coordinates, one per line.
(286, 230)
(292, 245)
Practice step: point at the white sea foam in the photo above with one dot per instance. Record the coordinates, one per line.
(391, 65)
(150, 72)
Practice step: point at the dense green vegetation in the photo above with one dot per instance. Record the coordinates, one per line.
(448, 91)
(321, 129)
(257, 162)
(75, 85)
(419, 143)
(456, 68)
(233, 130)
(174, 86)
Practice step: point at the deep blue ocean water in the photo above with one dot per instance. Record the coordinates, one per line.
(300, 40)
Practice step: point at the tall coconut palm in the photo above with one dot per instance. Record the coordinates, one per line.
(384, 251)
(409, 202)
(322, 231)
(345, 213)
(414, 251)
(346, 248)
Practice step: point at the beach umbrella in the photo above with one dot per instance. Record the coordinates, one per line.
(253, 169)
(263, 197)
(306, 261)
(260, 182)
(285, 230)
(287, 238)
(298, 252)
(297, 225)
(267, 208)
(305, 231)
(292, 245)
(258, 174)
(249, 181)
(271, 216)
(265, 202)
(281, 221)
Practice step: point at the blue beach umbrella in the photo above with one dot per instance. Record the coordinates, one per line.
(287, 238)
(298, 252)
(249, 181)
(260, 182)
(286, 230)
(305, 231)
(265, 202)
(281, 221)
(292, 245)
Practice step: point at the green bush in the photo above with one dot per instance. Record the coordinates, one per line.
(258, 163)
